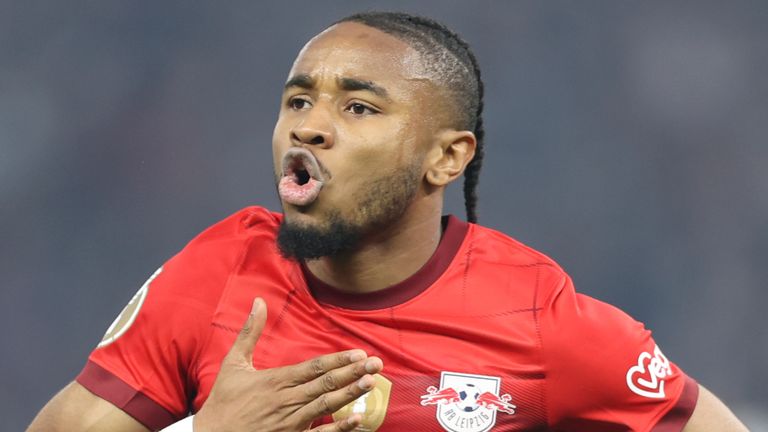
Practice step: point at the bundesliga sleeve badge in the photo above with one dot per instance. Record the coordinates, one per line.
(466, 402)
(128, 315)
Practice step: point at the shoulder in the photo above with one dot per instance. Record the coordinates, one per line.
(514, 251)
(526, 276)
(223, 242)
(200, 270)
(180, 297)
(497, 257)
(238, 227)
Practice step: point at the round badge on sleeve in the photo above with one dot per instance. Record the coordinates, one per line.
(128, 315)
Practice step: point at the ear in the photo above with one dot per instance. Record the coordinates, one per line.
(452, 150)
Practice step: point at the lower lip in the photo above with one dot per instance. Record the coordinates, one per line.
(296, 194)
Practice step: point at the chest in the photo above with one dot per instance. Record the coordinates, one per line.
(446, 367)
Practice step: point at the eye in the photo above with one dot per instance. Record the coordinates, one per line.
(360, 109)
(298, 104)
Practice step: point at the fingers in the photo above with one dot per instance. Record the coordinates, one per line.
(242, 350)
(328, 403)
(318, 366)
(341, 377)
(345, 425)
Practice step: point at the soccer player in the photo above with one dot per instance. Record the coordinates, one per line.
(383, 314)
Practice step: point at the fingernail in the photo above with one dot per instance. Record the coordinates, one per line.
(372, 366)
(365, 383)
(257, 303)
(356, 356)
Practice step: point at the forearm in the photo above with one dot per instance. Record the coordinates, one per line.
(712, 415)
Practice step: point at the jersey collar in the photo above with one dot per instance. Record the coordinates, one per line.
(454, 232)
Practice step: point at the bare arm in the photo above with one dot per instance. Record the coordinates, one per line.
(76, 409)
(712, 415)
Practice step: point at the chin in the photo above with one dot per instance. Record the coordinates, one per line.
(303, 236)
(309, 215)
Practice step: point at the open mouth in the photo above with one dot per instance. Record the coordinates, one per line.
(302, 178)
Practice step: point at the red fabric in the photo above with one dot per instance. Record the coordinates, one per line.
(485, 305)
(676, 418)
(108, 386)
(591, 352)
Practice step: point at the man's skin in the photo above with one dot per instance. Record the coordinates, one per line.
(358, 136)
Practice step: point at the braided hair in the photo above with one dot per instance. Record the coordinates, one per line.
(449, 59)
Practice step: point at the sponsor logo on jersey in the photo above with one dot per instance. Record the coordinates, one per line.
(372, 406)
(128, 315)
(646, 378)
(466, 402)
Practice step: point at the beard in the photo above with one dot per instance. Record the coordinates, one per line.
(382, 202)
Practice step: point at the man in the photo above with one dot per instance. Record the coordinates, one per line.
(383, 315)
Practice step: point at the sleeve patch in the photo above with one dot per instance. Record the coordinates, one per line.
(128, 315)
(646, 378)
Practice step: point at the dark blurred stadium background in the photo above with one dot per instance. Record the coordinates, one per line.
(625, 139)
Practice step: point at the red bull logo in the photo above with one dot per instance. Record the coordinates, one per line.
(492, 401)
(435, 396)
(466, 402)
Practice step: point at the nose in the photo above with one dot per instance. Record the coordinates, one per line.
(314, 129)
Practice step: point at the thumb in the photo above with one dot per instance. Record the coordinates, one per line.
(242, 350)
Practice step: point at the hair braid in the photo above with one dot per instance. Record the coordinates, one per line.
(449, 58)
(472, 171)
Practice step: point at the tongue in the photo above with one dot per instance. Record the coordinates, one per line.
(296, 194)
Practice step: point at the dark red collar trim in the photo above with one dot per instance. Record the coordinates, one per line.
(453, 235)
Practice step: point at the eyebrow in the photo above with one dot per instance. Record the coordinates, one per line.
(353, 84)
(302, 80)
(347, 84)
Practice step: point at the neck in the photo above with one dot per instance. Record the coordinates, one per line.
(387, 257)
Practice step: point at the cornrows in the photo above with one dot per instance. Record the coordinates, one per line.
(452, 63)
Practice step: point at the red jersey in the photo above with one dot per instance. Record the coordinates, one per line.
(488, 335)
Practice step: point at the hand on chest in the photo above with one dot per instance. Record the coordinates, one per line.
(440, 372)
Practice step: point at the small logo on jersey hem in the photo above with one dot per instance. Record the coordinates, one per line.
(646, 378)
(467, 402)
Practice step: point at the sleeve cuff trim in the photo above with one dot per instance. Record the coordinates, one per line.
(676, 418)
(109, 387)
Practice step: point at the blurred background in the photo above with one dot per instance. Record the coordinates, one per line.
(627, 140)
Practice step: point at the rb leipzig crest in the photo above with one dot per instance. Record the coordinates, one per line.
(466, 402)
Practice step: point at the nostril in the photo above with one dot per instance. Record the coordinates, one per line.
(317, 140)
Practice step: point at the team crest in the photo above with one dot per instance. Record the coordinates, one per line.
(466, 402)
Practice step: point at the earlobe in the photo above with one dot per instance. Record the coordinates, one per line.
(451, 153)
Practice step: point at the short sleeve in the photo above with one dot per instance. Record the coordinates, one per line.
(142, 365)
(604, 372)
(147, 362)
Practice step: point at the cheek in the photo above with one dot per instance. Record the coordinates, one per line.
(385, 145)
(280, 143)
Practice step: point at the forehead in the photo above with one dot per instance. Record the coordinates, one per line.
(356, 50)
